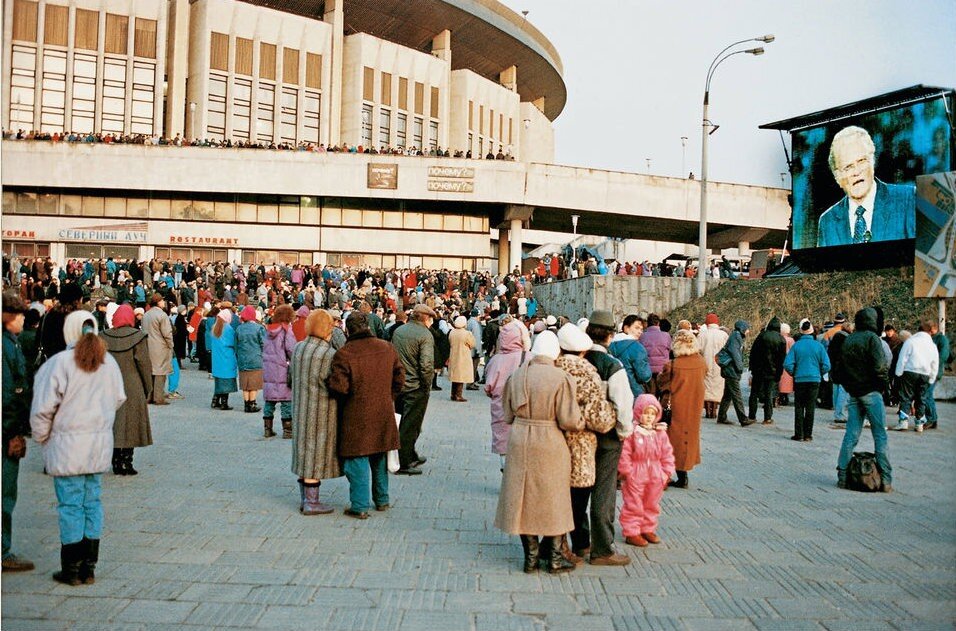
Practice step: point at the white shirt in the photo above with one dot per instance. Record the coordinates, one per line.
(919, 355)
(868, 202)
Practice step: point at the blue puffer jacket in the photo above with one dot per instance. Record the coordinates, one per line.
(807, 360)
(250, 336)
(634, 357)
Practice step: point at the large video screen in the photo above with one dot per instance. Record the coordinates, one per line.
(854, 179)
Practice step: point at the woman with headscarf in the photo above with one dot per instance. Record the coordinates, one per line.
(225, 368)
(298, 326)
(460, 369)
(540, 404)
(276, 354)
(509, 356)
(785, 387)
(314, 413)
(76, 395)
(250, 338)
(129, 347)
(687, 372)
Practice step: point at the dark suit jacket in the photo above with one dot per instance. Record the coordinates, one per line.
(894, 217)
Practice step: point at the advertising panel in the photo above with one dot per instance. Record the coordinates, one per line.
(935, 266)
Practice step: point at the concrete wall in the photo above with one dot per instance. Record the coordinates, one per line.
(621, 295)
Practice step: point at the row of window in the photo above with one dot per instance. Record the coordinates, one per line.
(285, 210)
(391, 261)
(491, 136)
(242, 63)
(56, 21)
(402, 140)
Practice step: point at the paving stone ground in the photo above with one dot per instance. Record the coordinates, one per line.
(208, 536)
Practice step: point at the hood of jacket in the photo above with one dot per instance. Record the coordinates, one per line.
(275, 330)
(122, 338)
(866, 320)
(774, 324)
(742, 326)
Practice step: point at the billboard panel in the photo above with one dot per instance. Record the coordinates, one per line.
(935, 267)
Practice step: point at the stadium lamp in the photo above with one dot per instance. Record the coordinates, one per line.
(707, 129)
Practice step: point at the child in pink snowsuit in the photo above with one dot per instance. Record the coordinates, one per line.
(645, 467)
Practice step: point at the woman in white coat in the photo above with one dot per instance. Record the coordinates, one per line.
(75, 399)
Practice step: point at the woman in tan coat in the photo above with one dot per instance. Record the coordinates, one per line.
(687, 373)
(539, 401)
(460, 368)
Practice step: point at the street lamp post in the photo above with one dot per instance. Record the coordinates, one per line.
(708, 128)
(683, 156)
(574, 246)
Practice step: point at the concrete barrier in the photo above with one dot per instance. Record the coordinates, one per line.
(621, 295)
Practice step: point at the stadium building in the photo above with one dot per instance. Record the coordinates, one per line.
(445, 78)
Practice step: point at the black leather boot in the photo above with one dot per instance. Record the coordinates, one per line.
(530, 545)
(267, 431)
(224, 402)
(128, 462)
(71, 556)
(557, 564)
(118, 462)
(215, 401)
(88, 564)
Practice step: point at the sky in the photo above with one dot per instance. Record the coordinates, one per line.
(635, 72)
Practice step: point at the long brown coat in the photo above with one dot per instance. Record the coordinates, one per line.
(366, 377)
(314, 412)
(157, 326)
(460, 368)
(539, 401)
(129, 348)
(687, 374)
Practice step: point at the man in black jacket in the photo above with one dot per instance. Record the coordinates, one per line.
(731, 361)
(766, 367)
(864, 374)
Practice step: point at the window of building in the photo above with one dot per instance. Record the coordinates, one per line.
(434, 103)
(160, 208)
(481, 119)
(138, 208)
(392, 219)
(267, 61)
(144, 38)
(117, 34)
(143, 105)
(27, 249)
(289, 114)
(216, 107)
(491, 123)
(225, 210)
(86, 35)
(84, 91)
(414, 221)
(241, 107)
(53, 97)
(114, 95)
(386, 89)
(402, 93)
(433, 134)
(92, 206)
(401, 129)
(384, 126)
(114, 207)
(310, 112)
(419, 98)
(26, 204)
(368, 84)
(56, 22)
(22, 85)
(268, 212)
(265, 116)
(433, 221)
(417, 130)
(313, 71)
(471, 141)
(290, 65)
(366, 125)
(25, 20)
(309, 210)
(511, 129)
(471, 115)
(289, 210)
(97, 251)
(246, 210)
(218, 51)
(454, 222)
(243, 63)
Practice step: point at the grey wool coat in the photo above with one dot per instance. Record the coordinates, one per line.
(541, 403)
(130, 349)
(314, 412)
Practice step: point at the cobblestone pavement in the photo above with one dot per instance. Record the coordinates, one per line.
(208, 536)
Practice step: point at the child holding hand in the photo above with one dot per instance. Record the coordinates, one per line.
(645, 467)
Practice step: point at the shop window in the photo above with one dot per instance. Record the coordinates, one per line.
(334, 259)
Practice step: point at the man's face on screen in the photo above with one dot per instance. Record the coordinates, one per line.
(854, 164)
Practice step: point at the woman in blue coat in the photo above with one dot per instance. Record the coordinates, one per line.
(225, 367)
(807, 361)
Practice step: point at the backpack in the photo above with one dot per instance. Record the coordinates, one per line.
(725, 360)
(863, 474)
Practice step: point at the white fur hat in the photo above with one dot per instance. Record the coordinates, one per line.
(546, 344)
(573, 339)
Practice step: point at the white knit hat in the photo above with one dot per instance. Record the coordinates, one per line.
(573, 339)
(460, 322)
(546, 344)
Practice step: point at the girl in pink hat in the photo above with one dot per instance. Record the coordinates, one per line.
(645, 468)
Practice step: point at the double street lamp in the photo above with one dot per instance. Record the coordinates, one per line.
(707, 129)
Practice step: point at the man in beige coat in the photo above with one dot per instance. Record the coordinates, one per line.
(460, 368)
(159, 330)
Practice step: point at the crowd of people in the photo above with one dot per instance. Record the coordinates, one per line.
(577, 409)
(153, 140)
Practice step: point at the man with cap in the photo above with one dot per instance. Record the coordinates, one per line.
(16, 421)
(598, 540)
(338, 335)
(416, 350)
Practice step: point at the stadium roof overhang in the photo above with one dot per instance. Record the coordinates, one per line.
(486, 38)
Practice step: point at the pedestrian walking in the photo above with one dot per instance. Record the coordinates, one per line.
(731, 361)
(416, 350)
(686, 379)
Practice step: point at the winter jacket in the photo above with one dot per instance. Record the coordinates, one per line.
(129, 347)
(250, 338)
(835, 354)
(768, 352)
(16, 390)
(223, 348)
(416, 349)
(942, 346)
(633, 355)
(276, 355)
(735, 349)
(157, 326)
(618, 389)
(919, 355)
(658, 346)
(865, 368)
(807, 360)
(73, 412)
